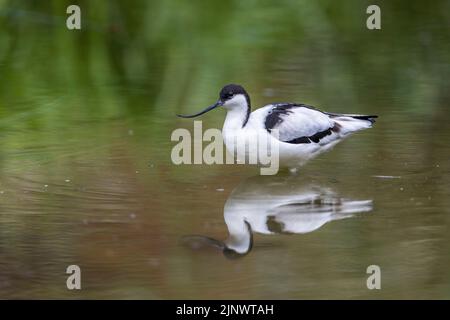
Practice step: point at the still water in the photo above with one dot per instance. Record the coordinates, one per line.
(86, 176)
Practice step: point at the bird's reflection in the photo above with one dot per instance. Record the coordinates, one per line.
(276, 205)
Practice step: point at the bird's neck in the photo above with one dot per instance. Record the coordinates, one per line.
(236, 119)
(240, 237)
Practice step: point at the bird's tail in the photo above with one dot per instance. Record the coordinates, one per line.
(353, 122)
(363, 117)
(370, 118)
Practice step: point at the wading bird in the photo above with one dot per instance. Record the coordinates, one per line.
(302, 131)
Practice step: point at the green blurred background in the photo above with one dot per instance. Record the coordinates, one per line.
(85, 123)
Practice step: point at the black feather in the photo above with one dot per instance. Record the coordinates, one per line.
(274, 116)
(370, 118)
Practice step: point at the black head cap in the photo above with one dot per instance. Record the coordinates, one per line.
(230, 90)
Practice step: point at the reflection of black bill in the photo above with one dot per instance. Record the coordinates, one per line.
(197, 242)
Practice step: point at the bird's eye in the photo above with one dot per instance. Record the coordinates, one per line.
(229, 94)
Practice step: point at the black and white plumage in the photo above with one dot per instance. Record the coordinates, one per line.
(277, 205)
(300, 123)
(301, 131)
(286, 117)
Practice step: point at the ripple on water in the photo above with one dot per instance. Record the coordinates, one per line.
(110, 201)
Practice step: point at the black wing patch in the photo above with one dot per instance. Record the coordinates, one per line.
(314, 138)
(274, 117)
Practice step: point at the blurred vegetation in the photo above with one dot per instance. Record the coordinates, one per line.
(146, 60)
(176, 52)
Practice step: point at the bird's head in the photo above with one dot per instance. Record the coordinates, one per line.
(231, 97)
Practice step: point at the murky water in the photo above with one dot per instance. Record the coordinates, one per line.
(86, 176)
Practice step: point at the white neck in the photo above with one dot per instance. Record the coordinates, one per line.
(237, 112)
(235, 119)
(240, 236)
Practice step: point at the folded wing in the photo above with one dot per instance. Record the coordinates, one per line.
(299, 123)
